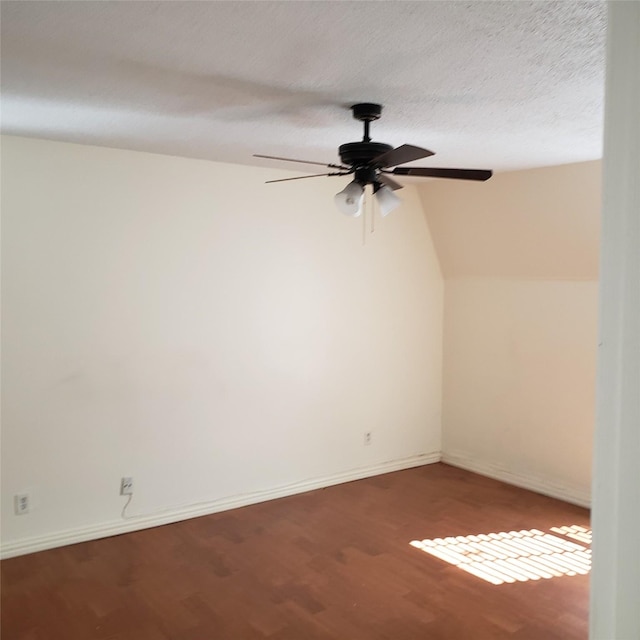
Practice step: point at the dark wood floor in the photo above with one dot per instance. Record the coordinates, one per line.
(333, 563)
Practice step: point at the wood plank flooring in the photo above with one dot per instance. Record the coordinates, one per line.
(330, 564)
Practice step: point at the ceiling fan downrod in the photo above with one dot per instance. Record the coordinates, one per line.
(366, 112)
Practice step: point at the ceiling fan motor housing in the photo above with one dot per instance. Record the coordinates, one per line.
(361, 153)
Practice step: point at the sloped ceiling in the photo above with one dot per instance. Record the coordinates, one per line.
(499, 85)
(536, 224)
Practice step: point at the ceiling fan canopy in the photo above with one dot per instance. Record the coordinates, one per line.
(371, 163)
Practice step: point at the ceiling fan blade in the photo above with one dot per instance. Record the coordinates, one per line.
(400, 155)
(321, 164)
(457, 174)
(387, 181)
(316, 175)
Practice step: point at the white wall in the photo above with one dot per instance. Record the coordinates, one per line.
(615, 577)
(214, 337)
(519, 376)
(520, 254)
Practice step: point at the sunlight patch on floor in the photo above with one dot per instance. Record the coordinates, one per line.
(581, 534)
(514, 556)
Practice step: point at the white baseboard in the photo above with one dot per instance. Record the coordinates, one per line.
(83, 534)
(538, 485)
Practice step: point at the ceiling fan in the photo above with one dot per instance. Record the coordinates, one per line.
(370, 163)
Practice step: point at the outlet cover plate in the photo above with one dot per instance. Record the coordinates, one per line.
(126, 486)
(21, 503)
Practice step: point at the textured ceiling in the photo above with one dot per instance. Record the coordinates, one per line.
(498, 85)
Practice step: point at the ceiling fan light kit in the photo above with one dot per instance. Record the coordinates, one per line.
(370, 164)
(349, 200)
(387, 200)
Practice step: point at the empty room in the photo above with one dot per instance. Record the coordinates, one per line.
(320, 320)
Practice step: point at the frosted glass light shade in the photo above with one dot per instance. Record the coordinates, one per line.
(349, 200)
(387, 200)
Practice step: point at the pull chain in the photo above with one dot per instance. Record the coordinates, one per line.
(372, 213)
(364, 219)
(368, 209)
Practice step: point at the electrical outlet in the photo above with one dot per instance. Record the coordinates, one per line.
(21, 503)
(126, 486)
(367, 438)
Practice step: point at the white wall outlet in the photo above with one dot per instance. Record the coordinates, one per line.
(367, 438)
(21, 503)
(126, 486)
